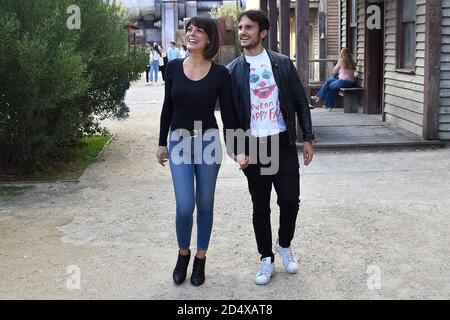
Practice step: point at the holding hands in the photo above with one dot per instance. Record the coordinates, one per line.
(243, 160)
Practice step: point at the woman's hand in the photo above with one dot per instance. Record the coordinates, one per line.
(243, 160)
(163, 155)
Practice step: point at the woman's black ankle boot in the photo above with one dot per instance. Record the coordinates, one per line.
(198, 272)
(179, 274)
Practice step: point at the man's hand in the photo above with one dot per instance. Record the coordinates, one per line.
(308, 152)
(243, 160)
(162, 154)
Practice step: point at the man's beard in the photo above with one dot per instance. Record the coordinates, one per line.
(253, 44)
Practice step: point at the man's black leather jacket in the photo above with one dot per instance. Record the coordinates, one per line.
(291, 94)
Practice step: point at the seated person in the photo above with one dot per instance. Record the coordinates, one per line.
(343, 78)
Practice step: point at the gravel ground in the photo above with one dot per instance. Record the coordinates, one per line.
(363, 214)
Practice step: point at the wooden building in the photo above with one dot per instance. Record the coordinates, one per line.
(323, 31)
(402, 49)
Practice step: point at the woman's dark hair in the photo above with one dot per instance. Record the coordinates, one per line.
(210, 27)
(156, 48)
(256, 16)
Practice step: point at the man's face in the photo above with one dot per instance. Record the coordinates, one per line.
(249, 34)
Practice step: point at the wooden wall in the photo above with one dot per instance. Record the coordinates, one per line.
(333, 46)
(444, 110)
(404, 95)
(359, 75)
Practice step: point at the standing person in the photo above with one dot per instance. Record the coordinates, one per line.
(173, 52)
(154, 65)
(163, 62)
(266, 87)
(148, 50)
(192, 88)
(183, 52)
(343, 77)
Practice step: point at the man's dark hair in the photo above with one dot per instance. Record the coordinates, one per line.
(210, 27)
(172, 42)
(256, 16)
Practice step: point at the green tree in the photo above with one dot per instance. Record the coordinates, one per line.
(230, 13)
(227, 11)
(56, 83)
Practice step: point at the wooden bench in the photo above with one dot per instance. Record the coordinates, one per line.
(350, 98)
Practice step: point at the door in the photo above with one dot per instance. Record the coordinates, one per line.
(374, 61)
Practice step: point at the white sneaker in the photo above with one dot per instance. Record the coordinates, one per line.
(289, 261)
(266, 270)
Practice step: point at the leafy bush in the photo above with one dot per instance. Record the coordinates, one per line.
(55, 83)
(227, 11)
(231, 12)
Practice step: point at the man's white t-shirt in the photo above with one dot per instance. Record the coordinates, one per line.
(266, 117)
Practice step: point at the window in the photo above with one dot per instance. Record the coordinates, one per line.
(352, 26)
(406, 34)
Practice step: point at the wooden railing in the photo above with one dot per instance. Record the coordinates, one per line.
(320, 69)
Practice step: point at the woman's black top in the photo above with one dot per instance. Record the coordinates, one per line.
(186, 100)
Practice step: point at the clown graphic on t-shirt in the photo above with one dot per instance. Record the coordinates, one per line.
(266, 116)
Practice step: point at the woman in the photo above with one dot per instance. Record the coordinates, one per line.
(154, 63)
(344, 78)
(192, 87)
(183, 52)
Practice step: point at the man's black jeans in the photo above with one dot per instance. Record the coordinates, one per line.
(287, 186)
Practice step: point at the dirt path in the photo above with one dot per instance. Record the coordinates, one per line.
(116, 227)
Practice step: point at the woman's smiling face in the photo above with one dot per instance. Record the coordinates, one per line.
(196, 39)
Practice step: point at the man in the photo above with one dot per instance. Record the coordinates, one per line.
(267, 94)
(147, 67)
(173, 52)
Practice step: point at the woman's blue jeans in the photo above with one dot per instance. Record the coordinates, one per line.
(329, 88)
(154, 68)
(194, 163)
